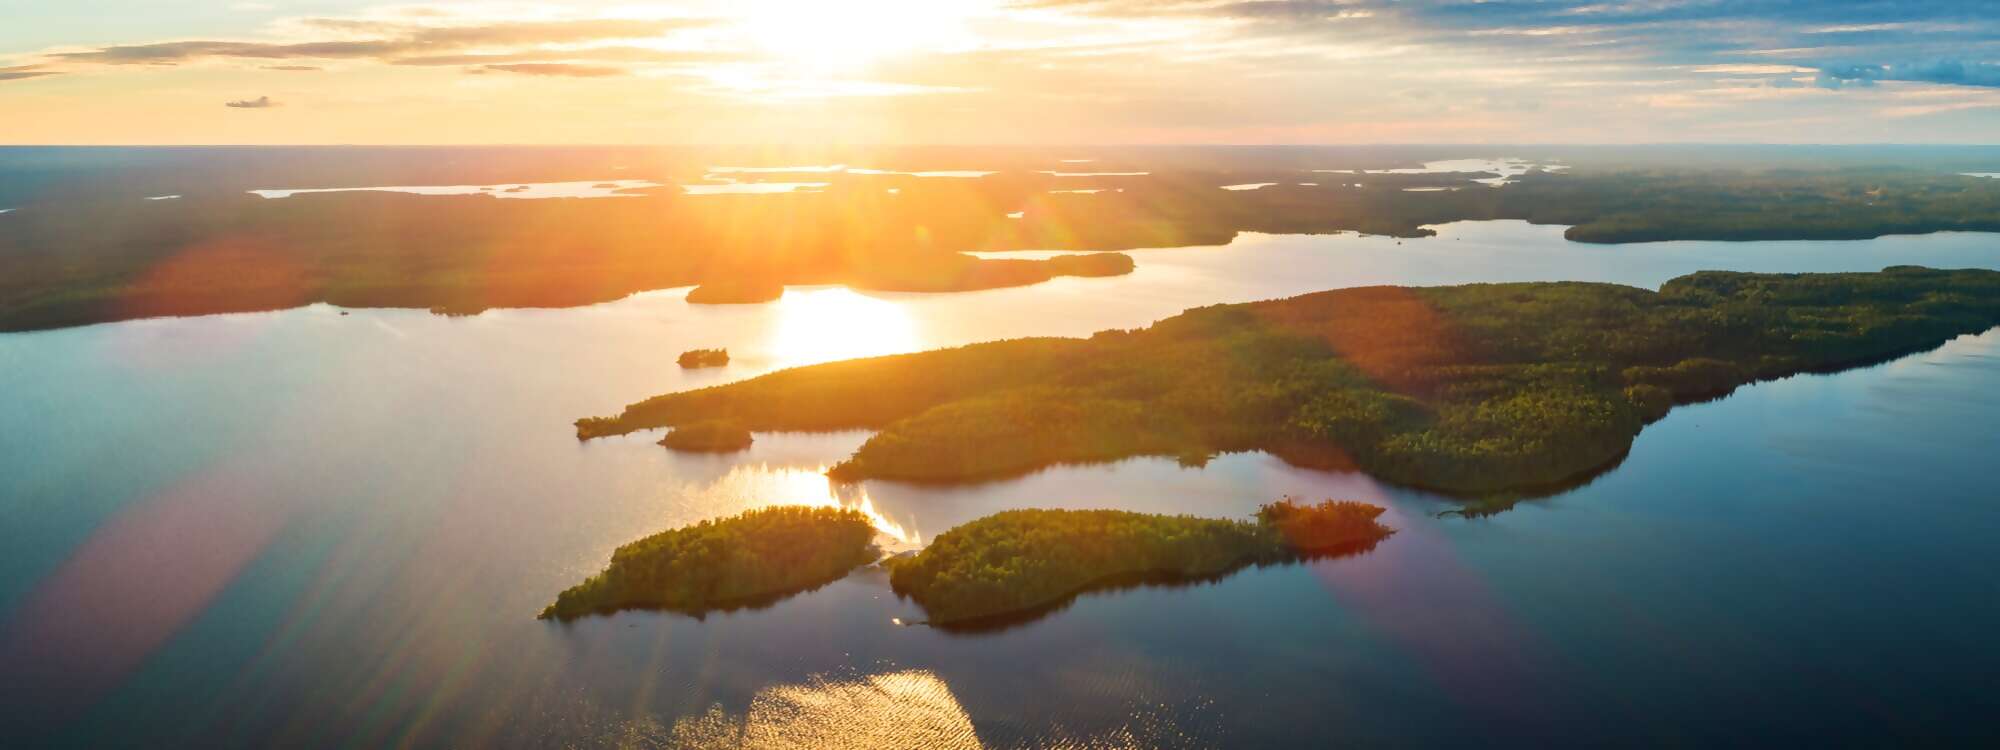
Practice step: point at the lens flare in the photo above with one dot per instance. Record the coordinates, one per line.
(763, 485)
(823, 325)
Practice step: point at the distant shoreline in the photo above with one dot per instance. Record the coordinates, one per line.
(104, 258)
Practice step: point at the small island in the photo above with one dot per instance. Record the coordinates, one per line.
(695, 358)
(1024, 561)
(1478, 390)
(1090, 265)
(745, 560)
(713, 436)
(739, 291)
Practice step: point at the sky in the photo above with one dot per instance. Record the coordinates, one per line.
(999, 71)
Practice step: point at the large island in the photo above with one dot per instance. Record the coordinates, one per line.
(1475, 389)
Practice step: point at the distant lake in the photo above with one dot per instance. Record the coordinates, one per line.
(313, 528)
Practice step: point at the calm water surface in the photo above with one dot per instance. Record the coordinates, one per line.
(307, 528)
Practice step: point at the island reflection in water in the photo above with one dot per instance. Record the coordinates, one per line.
(375, 506)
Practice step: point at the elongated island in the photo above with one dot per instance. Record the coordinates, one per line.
(698, 358)
(1476, 389)
(1023, 561)
(755, 557)
(714, 436)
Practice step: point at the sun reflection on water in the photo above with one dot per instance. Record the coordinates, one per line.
(822, 325)
(912, 708)
(762, 485)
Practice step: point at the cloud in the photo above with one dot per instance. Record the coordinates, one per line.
(567, 70)
(390, 40)
(172, 53)
(1679, 31)
(1289, 10)
(1946, 71)
(1168, 70)
(586, 54)
(294, 68)
(23, 72)
(262, 102)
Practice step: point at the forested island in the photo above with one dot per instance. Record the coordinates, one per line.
(1008, 563)
(712, 436)
(755, 557)
(105, 254)
(697, 358)
(1472, 390)
(1021, 561)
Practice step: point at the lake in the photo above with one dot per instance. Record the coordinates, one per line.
(308, 528)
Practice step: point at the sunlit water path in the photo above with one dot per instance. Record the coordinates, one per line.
(309, 528)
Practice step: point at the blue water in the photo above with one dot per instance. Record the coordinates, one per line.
(308, 529)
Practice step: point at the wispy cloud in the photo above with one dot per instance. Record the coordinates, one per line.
(262, 102)
(566, 70)
(1950, 72)
(602, 54)
(23, 72)
(386, 41)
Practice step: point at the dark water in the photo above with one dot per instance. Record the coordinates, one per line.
(302, 528)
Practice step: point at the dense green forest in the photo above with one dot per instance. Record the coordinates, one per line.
(1022, 560)
(1006, 562)
(723, 563)
(1474, 389)
(712, 436)
(108, 255)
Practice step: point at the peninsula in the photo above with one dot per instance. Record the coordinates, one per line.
(1473, 390)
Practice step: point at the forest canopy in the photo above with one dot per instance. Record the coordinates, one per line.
(1021, 560)
(725, 563)
(694, 358)
(1474, 389)
(712, 436)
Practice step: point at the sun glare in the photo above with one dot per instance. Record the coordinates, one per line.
(764, 485)
(824, 37)
(823, 325)
(911, 708)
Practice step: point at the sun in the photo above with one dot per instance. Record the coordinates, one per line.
(838, 37)
(822, 325)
